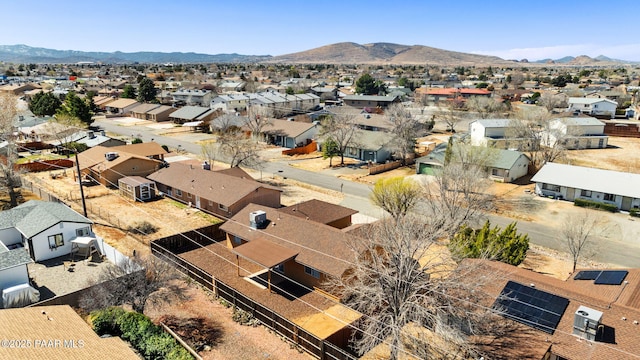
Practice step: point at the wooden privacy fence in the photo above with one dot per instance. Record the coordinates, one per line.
(167, 249)
(307, 149)
(377, 169)
(44, 165)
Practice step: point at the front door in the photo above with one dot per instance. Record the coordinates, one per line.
(626, 203)
(145, 192)
(571, 194)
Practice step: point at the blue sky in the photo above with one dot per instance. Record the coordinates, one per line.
(509, 29)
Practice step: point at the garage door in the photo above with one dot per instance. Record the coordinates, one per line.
(427, 169)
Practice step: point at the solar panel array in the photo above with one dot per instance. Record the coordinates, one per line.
(536, 308)
(602, 277)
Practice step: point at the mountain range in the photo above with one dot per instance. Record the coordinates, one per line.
(339, 53)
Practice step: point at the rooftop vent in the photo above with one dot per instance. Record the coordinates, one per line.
(586, 322)
(206, 166)
(257, 219)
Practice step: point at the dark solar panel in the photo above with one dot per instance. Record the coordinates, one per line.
(611, 277)
(587, 275)
(538, 309)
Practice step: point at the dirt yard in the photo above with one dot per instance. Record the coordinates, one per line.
(623, 154)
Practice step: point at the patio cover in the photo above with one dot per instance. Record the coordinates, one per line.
(264, 252)
(192, 123)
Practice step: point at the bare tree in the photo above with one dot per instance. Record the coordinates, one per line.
(9, 177)
(517, 79)
(209, 149)
(404, 280)
(137, 282)
(405, 129)
(449, 113)
(551, 101)
(538, 136)
(238, 149)
(577, 234)
(343, 130)
(458, 191)
(486, 107)
(257, 118)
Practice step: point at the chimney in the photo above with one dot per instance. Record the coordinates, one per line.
(91, 135)
(103, 133)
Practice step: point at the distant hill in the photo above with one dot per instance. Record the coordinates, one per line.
(385, 53)
(584, 60)
(28, 54)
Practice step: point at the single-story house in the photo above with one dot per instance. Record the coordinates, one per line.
(140, 111)
(322, 212)
(502, 165)
(137, 188)
(44, 229)
(590, 315)
(593, 106)
(222, 193)
(577, 182)
(193, 97)
(58, 329)
(161, 113)
(93, 139)
(230, 102)
(577, 133)
(107, 165)
(289, 134)
(121, 106)
(370, 146)
(305, 251)
(496, 133)
(192, 113)
(370, 101)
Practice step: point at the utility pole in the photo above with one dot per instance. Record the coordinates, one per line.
(84, 205)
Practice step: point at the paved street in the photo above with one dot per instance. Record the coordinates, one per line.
(622, 249)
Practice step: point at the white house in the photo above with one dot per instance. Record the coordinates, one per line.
(577, 182)
(495, 133)
(508, 165)
(577, 133)
(193, 97)
(593, 106)
(13, 266)
(44, 228)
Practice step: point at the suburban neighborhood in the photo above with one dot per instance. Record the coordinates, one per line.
(385, 205)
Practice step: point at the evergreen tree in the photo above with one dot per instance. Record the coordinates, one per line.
(76, 107)
(502, 245)
(128, 92)
(44, 104)
(330, 149)
(147, 91)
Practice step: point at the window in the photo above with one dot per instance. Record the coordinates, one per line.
(189, 195)
(279, 268)
(551, 187)
(609, 197)
(495, 172)
(585, 193)
(237, 240)
(55, 241)
(210, 203)
(85, 231)
(178, 192)
(222, 207)
(311, 271)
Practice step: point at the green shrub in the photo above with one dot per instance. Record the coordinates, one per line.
(595, 205)
(634, 212)
(105, 321)
(147, 338)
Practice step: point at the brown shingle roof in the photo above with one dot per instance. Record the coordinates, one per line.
(318, 211)
(286, 128)
(47, 332)
(613, 300)
(319, 246)
(96, 157)
(151, 148)
(264, 252)
(211, 185)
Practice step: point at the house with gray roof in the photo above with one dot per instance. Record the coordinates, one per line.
(576, 133)
(501, 165)
(370, 101)
(44, 229)
(192, 97)
(191, 113)
(593, 106)
(289, 134)
(373, 146)
(577, 182)
(13, 266)
(496, 133)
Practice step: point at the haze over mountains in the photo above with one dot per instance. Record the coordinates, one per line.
(340, 53)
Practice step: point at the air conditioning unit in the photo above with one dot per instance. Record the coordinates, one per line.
(586, 322)
(257, 219)
(111, 156)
